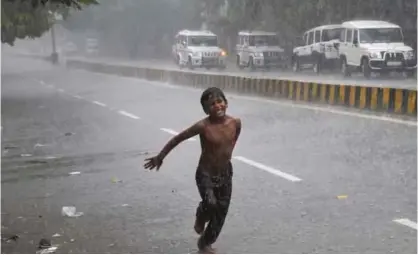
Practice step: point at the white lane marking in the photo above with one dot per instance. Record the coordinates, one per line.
(407, 222)
(299, 105)
(130, 115)
(99, 103)
(268, 169)
(77, 96)
(61, 90)
(172, 132)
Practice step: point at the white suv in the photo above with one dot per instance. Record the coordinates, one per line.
(259, 49)
(198, 49)
(319, 50)
(374, 46)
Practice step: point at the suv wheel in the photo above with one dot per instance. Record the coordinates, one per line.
(345, 69)
(251, 64)
(295, 65)
(365, 67)
(239, 63)
(189, 63)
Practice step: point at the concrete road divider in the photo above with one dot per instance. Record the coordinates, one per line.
(390, 100)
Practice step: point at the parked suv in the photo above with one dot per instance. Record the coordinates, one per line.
(198, 49)
(259, 49)
(319, 50)
(374, 46)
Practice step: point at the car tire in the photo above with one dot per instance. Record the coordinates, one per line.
(345, 69)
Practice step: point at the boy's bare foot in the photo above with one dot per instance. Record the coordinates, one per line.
(199, 226)
(207, 250)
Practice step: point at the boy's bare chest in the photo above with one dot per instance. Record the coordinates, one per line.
(220, 134)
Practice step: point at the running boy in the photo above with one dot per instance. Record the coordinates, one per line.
(218, 135)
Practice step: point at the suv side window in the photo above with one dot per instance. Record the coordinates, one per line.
(342, 35)
(318, 36)
(305, 38)
(310, 37)
(246, 40)
(349, 37)
(355, 36)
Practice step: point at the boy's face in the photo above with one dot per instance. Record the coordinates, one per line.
(216, 106)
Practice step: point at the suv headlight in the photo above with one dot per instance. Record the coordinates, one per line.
(258, 54)
(375, 55)
(409, 54)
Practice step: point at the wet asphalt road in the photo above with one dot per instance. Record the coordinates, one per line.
(395, 80)
(102, 126)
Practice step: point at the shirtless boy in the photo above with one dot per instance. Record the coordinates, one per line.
(218, 135)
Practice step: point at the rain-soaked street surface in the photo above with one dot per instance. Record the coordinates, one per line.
(348, 178)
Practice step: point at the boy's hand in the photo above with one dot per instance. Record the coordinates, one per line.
(153, 162)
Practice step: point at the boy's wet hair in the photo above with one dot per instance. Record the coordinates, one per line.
(209, 93)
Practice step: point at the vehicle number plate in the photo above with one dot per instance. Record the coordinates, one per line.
(397, 63)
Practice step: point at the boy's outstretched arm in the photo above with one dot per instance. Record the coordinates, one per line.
(194, 130)
(176, 140)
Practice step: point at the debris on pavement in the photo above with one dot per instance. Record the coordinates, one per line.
(40, 145)
(69, 134)
(10, 238)
(115, 180)
(47, 250)
(70, 211)
(44, 243)
(75, 173)
(342, 197)
(45, 247)
(8, 147)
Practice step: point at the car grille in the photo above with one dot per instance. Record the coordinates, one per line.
(392, 56)
(210, 54)
(270, 54)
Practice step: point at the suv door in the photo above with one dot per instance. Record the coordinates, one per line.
(238, 47)
(308, 49)
(245, 49)
(182, 48)
(349, 47)
(356, 50)
(316, 46)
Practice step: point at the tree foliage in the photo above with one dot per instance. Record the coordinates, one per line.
(24, 18)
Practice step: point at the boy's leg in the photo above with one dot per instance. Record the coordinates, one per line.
(203, 211)
(217, 216)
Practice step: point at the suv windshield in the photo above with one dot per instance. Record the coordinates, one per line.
(203, 41)
(331, 34)
(263, 40)
(380, 35)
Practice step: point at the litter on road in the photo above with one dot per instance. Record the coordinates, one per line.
(70, 211)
